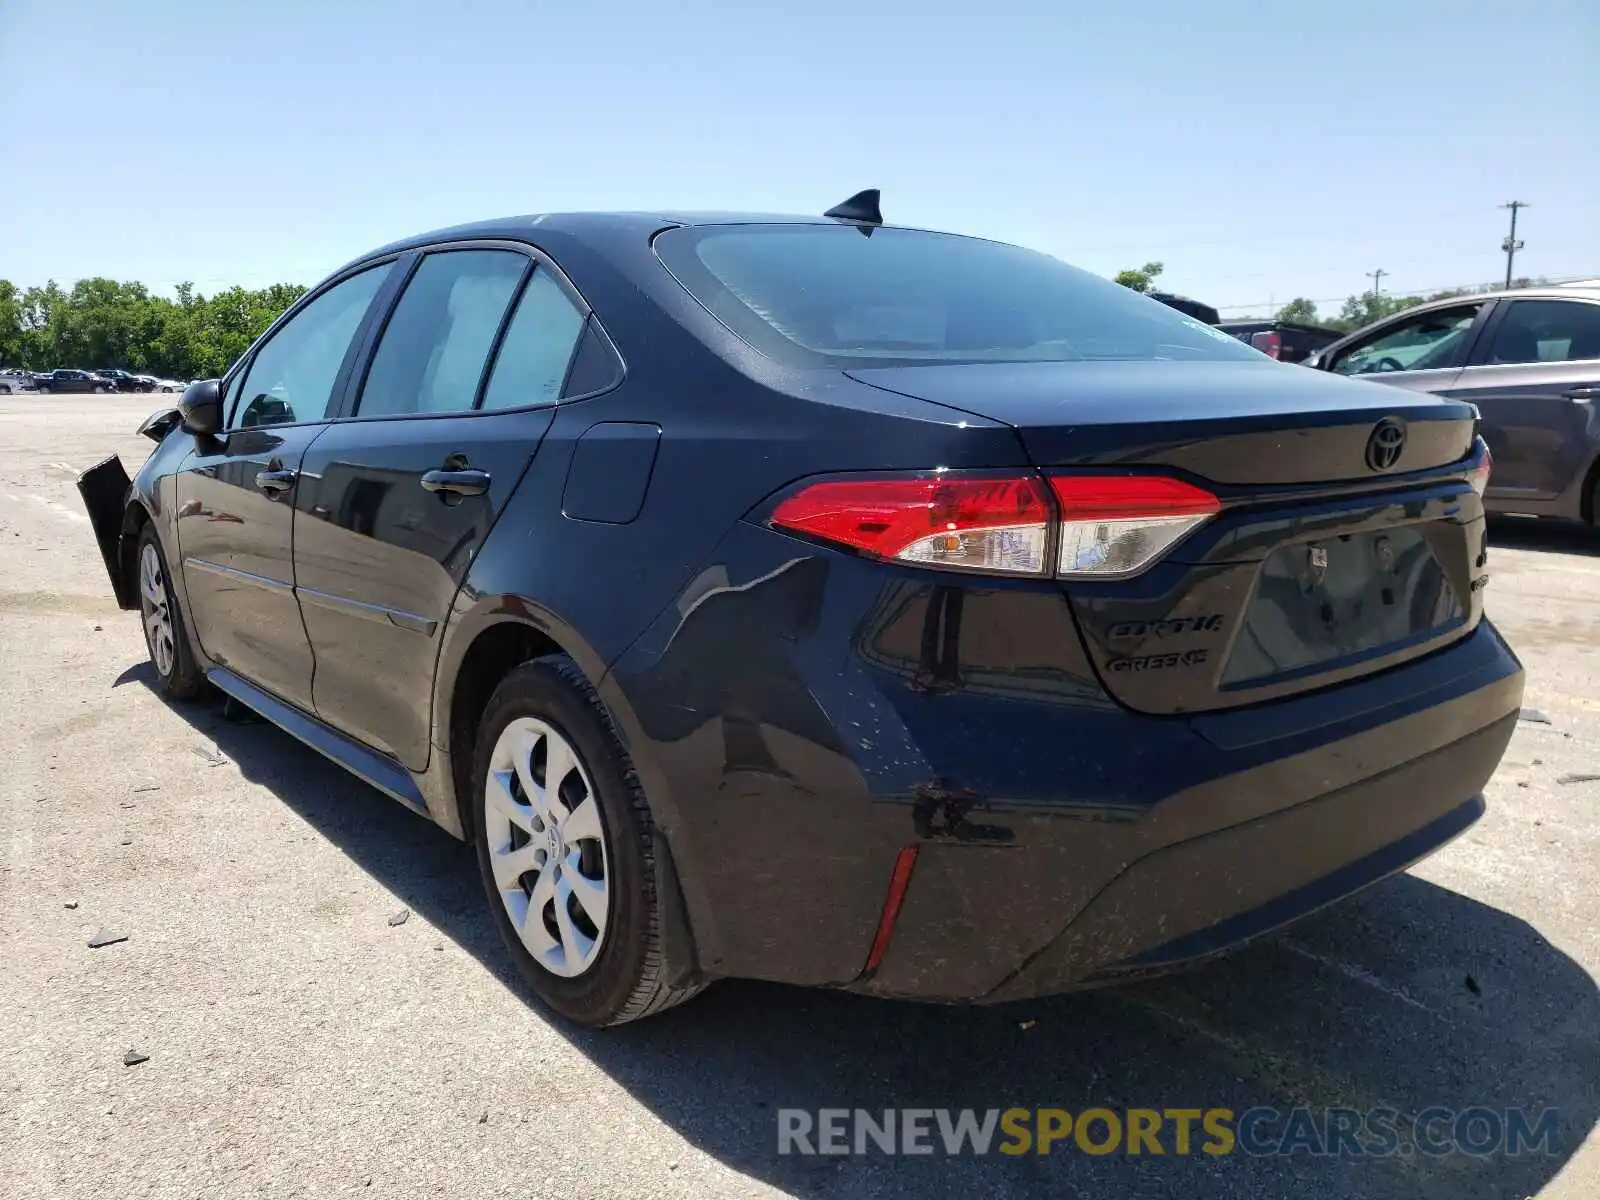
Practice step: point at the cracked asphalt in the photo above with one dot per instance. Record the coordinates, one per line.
(299, 1043)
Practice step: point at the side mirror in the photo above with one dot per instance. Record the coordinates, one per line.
(158, 424)
(200, 406)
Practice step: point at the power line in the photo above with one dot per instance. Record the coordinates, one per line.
(1377, 280)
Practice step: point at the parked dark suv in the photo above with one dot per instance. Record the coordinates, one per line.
(1530, 361)
(127, 382)
(816, 600)
(68, 379)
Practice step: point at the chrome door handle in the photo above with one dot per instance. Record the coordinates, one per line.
(275, 483)
(1582, 394)
(468, 482)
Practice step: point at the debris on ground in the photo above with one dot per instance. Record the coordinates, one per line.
(156, 787)
(133, 1058)
(106, 937)
(71, 904)
(1533, 715)
(401, 917)
(213, 757)
(1578, 777)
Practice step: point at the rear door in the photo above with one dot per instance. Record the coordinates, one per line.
(236, 492)
(400, 494)
(1535, 379)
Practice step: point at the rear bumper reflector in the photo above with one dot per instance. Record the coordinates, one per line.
(899, 881)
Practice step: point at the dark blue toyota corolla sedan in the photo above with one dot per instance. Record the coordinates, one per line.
(815, 600)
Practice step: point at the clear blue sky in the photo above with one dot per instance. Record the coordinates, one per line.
(1261, 150)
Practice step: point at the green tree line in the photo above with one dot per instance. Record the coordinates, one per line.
(100, 323)
(1372, 306)
(1357, 311)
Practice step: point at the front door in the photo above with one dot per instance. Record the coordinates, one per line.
(1536, 383)
(235, 524)
(397, 501)
(236, 494)
(1420, 351)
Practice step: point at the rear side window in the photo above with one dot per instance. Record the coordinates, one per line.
(1542, 331)
(830, 294)
(291, 377)
(432, 354)
(533, 360)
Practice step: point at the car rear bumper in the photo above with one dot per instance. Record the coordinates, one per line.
(806, 720)
(1167, 903)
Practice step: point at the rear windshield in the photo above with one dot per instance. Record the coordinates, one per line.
(830, 294)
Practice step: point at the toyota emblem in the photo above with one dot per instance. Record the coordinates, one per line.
(1385, 444)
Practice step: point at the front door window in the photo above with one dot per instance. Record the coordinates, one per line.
(1424, 342)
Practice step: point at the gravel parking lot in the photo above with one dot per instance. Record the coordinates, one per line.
(301, 1044)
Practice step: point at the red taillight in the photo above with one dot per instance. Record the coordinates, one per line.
(983, 523)
(1115, 525)
(1084, 497)
(1269, 342)
(1103, 525)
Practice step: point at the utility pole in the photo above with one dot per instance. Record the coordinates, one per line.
(1511, 245)
(1377, 280)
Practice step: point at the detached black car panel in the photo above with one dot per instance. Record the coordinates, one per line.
(818, 600)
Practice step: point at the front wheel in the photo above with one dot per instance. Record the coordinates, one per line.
(177, 674)
(566, 850)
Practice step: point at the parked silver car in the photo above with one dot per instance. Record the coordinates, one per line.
(15, 381)
(1530, 360)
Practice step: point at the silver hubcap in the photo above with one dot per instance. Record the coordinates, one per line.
(547, 846)
(157, 611)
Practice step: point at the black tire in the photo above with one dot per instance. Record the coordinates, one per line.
(631, 977)
(183, 677)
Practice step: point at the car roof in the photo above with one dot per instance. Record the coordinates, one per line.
(595, 226)
(1547, 292)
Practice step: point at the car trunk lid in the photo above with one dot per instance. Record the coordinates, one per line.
(1349, 537)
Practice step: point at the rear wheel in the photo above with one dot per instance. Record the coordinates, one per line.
(566, 849)
(177, 674)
